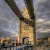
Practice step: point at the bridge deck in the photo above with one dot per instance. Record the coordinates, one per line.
(26, 47)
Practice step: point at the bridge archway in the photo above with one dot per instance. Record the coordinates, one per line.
(26, 40)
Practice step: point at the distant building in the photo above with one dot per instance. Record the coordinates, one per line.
(4, 40)
(49, 40)
(39, 40)
(45, 40)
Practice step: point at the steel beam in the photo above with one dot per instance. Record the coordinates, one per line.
(30, 8)
(16, 10)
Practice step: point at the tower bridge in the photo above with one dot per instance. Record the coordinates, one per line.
(26, 21)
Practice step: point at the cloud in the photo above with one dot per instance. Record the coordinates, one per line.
(42, 8)
(43, 30)
(42, 13)
(20, 4)
(40, 20)
(4, 33)
(43, 26)
(14, 35)
(8, 20)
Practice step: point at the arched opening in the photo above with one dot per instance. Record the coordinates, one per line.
(26, 40)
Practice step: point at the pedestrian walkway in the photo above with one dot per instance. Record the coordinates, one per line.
(26, 47)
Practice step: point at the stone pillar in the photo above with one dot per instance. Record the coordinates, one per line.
(25, 29)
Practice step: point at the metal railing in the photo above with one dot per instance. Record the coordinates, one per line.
(20, 47)
(26, 47)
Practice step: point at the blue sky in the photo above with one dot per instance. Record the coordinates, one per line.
(9, 21)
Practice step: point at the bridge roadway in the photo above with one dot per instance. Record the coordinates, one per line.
(24, 47)
(20, 47)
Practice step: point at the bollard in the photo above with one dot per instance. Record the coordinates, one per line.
(13, 48)
(10, 48)
(5, 48)
(0, 48)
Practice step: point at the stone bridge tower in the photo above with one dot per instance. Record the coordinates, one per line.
(25, 30)
(26, 22)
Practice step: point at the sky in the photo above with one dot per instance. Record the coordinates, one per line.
(42, 14)
(9, 21)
